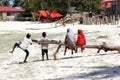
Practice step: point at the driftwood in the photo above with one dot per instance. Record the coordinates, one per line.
(104, 46)
(64, 20)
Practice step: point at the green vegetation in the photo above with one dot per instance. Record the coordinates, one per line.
(4, 3)
(58, 5)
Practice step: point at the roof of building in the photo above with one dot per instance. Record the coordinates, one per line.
(9, 9)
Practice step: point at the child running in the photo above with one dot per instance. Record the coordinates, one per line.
(44, 46)
(23, 45)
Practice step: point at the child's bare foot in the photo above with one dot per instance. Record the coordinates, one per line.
(11, 51)
(24, 61)
(54, 57)
(75, 50)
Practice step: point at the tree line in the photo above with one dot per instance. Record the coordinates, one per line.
(58, 5)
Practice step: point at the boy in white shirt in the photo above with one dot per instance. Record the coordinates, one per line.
(24, 45)
(44, 46)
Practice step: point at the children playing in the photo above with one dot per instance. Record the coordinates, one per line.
(70, 43)
(44, 46)
(23, 45)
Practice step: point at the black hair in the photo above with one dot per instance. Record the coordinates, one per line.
(44, 34)
(28, 35)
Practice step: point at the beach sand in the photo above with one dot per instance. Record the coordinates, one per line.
(88, 65)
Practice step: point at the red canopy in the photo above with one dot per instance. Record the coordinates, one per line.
(44, 13)
(9, 9)
(54, 14)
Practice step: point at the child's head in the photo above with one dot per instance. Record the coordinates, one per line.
(69, 30)
(28, 35)
(80, 31)
(44, 34)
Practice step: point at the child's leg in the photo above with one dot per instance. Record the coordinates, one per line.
(73, 49)
(27, 54)
(59, 46)
(47, 54)
(72, 52)
(15, 45)
(65, 50)
(42, 57)
(42, 54)
(81, 49)
(76, 49)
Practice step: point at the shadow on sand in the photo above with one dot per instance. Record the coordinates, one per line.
(102, 72)
(15, 62)
(99, 72)
(89, 55)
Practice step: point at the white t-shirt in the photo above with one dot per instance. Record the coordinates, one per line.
(25, 43)
(44, 46)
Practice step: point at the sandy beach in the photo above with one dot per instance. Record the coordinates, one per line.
(88, 65)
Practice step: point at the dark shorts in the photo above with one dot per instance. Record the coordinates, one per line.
(44, 51)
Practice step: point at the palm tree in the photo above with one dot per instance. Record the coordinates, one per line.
(5, 2)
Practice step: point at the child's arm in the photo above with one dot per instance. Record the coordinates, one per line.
(65, 39)
(33, 40)
(19, 42)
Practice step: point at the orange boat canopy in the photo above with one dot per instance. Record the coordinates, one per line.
(54, 14)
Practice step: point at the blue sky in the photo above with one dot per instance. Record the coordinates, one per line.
(11, 2)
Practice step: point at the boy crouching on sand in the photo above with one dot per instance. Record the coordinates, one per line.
(44, 46)
(23, 45)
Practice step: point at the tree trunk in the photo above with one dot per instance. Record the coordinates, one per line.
(69, 6)
(104, 46)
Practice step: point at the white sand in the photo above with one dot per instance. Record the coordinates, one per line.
(80, 66)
